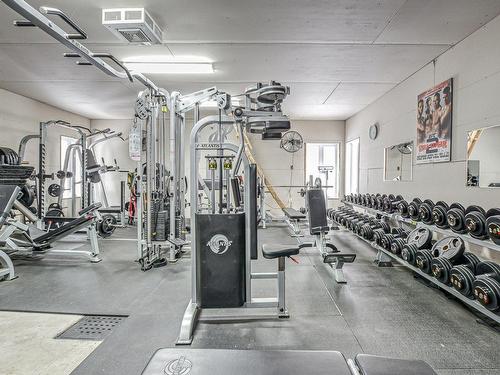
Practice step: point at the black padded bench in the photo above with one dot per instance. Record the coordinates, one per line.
(375, 365)
(280, 252)
(293, 218)
(276, 362)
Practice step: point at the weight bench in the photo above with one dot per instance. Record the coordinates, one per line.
(319, 228)
(276, 362)
(293, 218)
(280, 252)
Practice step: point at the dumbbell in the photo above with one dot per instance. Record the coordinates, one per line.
(387, 239)
(456, 218)
(475, 222)
(493, 224)
(357, 224)
(450, 248)
(442, 267)
(379, 233)
(439, 215)
(486, 286)
(403, 208)
(425, 211)
(397, 245)
(379, 202)
(413, 209)
(366, 231)
(390, 205)
(462, 277)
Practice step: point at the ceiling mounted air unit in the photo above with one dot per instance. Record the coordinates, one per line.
(133, 25)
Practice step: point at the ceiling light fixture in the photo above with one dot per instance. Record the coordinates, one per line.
(168, 65)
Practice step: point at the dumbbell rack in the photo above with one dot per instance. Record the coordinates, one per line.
(448, 232)
(469, 302)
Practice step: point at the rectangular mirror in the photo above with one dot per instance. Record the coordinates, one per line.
(483, 157)
(398, 162)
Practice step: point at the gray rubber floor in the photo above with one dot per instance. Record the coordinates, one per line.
(382, 311)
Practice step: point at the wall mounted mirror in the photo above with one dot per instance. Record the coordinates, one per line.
(483, 157)
(398, 162)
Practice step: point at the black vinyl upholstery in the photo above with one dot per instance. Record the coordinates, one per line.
(277, 251)
(293, 214)
(316, 210)
(375, 365)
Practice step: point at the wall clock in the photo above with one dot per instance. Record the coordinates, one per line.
(373, 131)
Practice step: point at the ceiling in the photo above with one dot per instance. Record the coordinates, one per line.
(337, 56)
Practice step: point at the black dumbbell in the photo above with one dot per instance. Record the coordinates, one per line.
(388, 238)
(390, 203)
(366, 230)
(439, 215)
(475, 222)
(450, 248)
(403, 208)
(442, 267)
(456, 218)
(413, 206)
(397, 245)
(493, 224)
(486, 286)
(425, 212)
(462, 277)
(409, 253)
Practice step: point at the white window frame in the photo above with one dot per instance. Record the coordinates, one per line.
(333, 193)
(351, 170)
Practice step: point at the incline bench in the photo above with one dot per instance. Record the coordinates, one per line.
(293, 218)
(276, 362)
(318, 227)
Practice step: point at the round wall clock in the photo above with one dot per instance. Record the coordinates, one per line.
(373, 132)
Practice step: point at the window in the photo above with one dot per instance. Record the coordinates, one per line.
(322, 161)
(352, 166)
(74, 166)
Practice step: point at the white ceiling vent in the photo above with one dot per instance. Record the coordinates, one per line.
(133, 25)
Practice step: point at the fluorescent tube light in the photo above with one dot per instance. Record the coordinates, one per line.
(170, 67)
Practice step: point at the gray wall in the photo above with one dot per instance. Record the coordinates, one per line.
(475, 66)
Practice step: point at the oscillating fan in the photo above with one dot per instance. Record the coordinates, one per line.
(291, 141)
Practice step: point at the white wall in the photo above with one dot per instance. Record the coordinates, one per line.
(20, 116)
(475, 66)
(276, 162)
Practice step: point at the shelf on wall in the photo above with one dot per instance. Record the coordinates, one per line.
(466, 237)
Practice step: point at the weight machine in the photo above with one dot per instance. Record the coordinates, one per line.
(224, 231)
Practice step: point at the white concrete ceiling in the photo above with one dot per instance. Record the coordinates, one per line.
(338, 56)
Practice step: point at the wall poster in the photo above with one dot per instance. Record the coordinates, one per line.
(434, 114)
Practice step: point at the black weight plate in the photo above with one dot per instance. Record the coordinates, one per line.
(476, 208)
(423, 261)
(54, 190)
(451, 248)
(408, 253)
(439, 216)
(441, 268)
(399, 197)
(487, 292)
(421, 237)
(488, 268)
(476, 225)
(429, 202)
(462, 279)
(456, 220)
(493, 228)
(493, 212)
(55, 205)
(417, 200)
(54, 212)
(107, 226)
(457, 206)
(442, 204)
(425, 213)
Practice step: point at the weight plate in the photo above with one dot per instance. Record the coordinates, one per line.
(409, 252)
(451, 248)
(421, 237)
(54, 190)
(439, 216)
(107, 226)
(456, 220)
(442, 204)
(457, 206)
(474, 208)
(493, 212)
(423, 260)
(462, 279)
(488, 268)
(441, 268)
(487, 292)
(425, 213)
(54, 212)
(475, 222)
(493, 228)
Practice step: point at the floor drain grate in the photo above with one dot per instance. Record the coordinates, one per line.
(92, 327)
